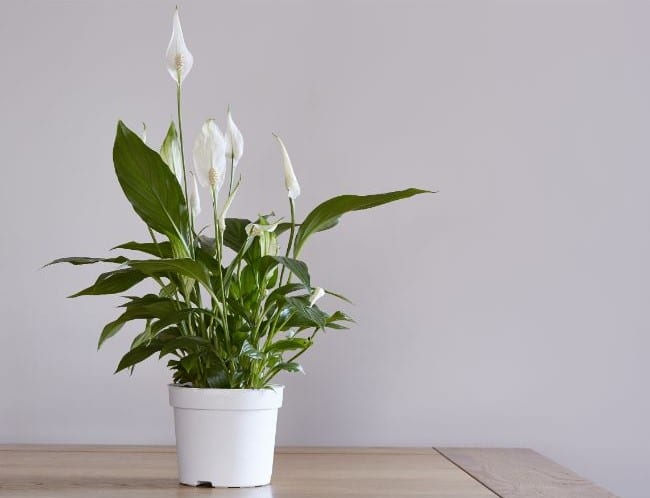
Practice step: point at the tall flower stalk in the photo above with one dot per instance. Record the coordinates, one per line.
(179, 64)
(293, 191)
(180, 138)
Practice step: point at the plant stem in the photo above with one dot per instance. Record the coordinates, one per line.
(187, 199)
(160, 282)
(217, 249)
(273, 327)
(180, 139)
(290, 242)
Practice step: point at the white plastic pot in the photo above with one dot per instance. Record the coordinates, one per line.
(225, 437)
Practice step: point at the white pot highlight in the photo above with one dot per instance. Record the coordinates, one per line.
(225, 437)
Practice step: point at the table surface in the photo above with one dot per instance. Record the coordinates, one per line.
(150, 471)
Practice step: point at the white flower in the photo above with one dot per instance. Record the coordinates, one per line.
(255, 229)
(316, 295)
(210, 156)
(234, 141)
(290, 180)
(144, 132)
(195, 200)
(178, 57)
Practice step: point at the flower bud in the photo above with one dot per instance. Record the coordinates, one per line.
(290, 180)
(234, 142)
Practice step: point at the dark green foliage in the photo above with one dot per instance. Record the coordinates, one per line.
(227, 321)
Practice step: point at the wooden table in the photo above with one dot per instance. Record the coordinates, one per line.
(150, 472)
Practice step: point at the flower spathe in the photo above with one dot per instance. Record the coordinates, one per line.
(210, 156)
(178, 57)
(234, 141)
(267, 239)
(226, 207)
(257, 229)
(316, 295)
(290, 180)
(195, 199)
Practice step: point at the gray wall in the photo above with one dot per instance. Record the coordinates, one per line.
(510, 309)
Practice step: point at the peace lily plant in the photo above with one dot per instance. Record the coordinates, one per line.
(235, 303)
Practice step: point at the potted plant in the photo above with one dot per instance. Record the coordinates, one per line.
(232, 310)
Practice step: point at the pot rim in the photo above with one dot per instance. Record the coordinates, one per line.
(273, 387)
(208, 398)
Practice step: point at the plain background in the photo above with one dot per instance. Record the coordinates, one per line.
(510, 309)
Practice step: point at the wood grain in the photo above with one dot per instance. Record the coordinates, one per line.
(522, 473)
(150, 472)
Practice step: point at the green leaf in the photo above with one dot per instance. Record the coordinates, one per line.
(337, 326)
(147, 299)
(327, 214)
(206, 256)
(339, 316)
(113, 282)
(263, 266)
(185, 267)
(150, 186)
(190, 363)
(340, 296)
(160, 250)
(290, 367)
(251, 352)
(305, 316)
(217, 378)
(177, 317)
(283, 227)
(110, 329)
(289, 344)
(143, 336)
(298, 268)
(148, 307)
(282, 291)
(243, 312)
(80, 260)
(334, 319)
(185, 343)
(138, 354)
(235, 235)
(168, 290)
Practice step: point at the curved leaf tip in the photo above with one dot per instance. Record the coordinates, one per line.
(327, 214)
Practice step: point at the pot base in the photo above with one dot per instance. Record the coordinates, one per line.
(208, 484)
